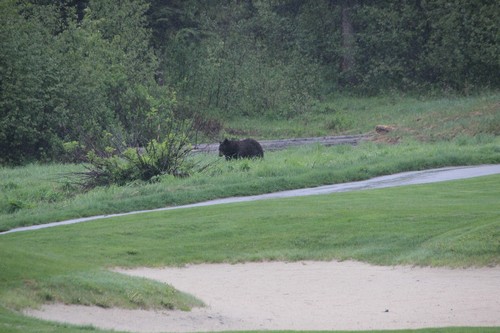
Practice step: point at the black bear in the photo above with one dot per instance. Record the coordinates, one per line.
(247, 148)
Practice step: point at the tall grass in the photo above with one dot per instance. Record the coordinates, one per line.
(428, 119)
(38, 194)
(430, 133)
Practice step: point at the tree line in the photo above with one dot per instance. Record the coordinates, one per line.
(91, 74)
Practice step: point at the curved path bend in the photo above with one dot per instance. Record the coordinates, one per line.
(399, 179)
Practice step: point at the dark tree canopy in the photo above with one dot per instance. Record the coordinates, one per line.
(94, 71)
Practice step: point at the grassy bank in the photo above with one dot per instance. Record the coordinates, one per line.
(429, 133)
(448, 224)
(38, 194)
(426, 119)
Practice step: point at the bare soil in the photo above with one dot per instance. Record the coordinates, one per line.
(270, 145)
(306, 296)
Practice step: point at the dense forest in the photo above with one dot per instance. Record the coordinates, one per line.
(96, 73)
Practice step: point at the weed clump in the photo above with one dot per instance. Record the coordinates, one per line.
(156, 159)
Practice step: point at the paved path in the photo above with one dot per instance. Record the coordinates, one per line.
(399, 179)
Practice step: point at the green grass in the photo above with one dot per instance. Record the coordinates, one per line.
(430, 133)
(428, 119)
(421, 224)
(449, 224)
(38, 193)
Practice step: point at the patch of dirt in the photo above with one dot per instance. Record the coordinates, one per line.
(306, 295)
(270, 145)
(384, 129)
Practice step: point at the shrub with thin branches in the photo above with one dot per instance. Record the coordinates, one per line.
(164, 155)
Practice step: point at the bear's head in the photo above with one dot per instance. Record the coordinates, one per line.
(228, 148)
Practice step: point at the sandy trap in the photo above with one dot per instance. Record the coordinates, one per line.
(306, 296)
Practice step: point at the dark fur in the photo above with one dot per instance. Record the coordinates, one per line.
(248, 148)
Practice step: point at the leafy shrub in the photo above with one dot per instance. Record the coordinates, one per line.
(158, 157)
(72, 152)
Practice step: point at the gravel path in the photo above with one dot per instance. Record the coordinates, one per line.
(269, 145)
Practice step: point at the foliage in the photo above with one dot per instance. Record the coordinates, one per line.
(29, 85)
(68, 80)
(81, 70)
(226, 63)
(416, 45)
(168, 156)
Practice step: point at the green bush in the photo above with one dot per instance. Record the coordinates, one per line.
(158, 157)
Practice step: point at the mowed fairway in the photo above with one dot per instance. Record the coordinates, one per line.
(453, 224)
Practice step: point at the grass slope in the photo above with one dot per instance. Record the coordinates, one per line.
(430, 132)
(428, 119)
(448, 224)
(39, 193)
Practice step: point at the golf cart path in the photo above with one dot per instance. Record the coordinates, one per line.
(399, 179)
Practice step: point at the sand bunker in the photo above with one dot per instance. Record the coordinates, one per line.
(306, 296)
